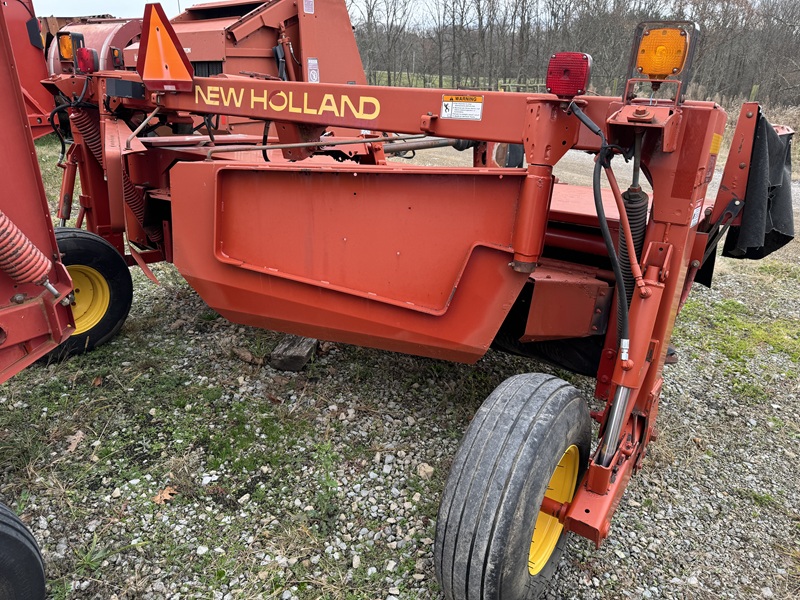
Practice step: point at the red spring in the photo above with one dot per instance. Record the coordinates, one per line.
(133, 197)
(19, 258)
(90, 132)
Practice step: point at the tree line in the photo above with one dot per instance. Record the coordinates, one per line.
(747, 47)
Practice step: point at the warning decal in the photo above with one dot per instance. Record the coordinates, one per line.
(464, 108)
(313, 70)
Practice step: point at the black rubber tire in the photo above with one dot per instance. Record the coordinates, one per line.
(21, 566)
(82, 248)
(496, 486)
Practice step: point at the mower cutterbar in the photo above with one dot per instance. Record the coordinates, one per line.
(295, 221)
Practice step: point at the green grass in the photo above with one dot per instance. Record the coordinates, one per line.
(778, 270)
(737, 333)
(759, 499)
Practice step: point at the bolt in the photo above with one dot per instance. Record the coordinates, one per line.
(640, 112)
(749, 114)
(18, 298)
(742, 165)
(695, 264)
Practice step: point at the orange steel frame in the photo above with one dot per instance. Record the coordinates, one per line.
(422, 260)
(27, 46)
(32, 320)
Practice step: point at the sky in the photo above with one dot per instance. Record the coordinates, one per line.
(128, 8)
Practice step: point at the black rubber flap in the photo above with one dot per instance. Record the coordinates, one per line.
(767, 216)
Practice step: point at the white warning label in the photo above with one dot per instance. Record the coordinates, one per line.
(464, 108)
(313, 70)
(308, 7)
(696, 214)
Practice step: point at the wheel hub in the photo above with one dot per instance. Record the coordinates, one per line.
(548, 529)
(92, 297)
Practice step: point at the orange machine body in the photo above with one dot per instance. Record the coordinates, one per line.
(266, 183)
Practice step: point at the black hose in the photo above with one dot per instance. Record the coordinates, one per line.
(603, 159)
(265, 140)
(57, 130)
(624, 324)
(59, 108)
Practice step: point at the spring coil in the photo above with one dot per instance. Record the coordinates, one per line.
(636, 205)
(90, 131)
(19, 258)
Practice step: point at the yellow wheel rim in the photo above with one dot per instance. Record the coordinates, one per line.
(92, 297)
(548, 530)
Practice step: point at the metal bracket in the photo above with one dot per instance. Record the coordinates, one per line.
(720, 228)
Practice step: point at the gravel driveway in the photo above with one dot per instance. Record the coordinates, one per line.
(172, 464)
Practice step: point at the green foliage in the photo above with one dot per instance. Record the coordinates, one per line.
(735, 332)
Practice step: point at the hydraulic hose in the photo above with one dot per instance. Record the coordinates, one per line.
(61, 107)
(603, 158)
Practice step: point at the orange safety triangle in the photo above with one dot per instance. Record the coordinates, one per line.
(162, 63)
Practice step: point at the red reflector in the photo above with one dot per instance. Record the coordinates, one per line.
(568, 74)
(86, 60)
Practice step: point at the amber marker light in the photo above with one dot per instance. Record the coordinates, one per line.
(65, 49)
(661, 59)
(662, 52)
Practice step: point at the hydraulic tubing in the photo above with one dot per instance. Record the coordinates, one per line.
(602, 158)
(397, 148)
(608, 447)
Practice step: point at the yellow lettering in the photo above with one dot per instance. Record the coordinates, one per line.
(211, 96)
(292, 107)
(306, 109)
(231, 98)
(258, 100)
(328, 105)
(346, 101)
(369, 101)
(274, 105)
(367, 108)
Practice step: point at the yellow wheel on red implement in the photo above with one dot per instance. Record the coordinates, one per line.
(91, 297)
(530, 439)
(102, 289)
(548, 530)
